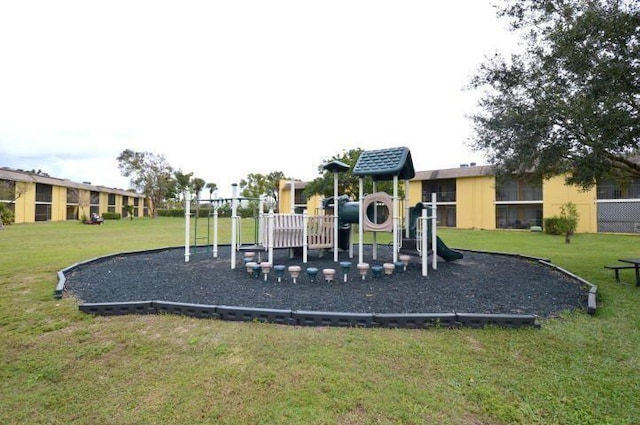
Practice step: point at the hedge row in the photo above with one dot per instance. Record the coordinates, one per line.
(204, 212)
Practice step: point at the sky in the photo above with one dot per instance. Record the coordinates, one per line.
(228, 88)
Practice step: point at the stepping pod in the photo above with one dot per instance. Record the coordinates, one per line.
(363, 268)
(405, 260)
(388, 268)
(249, 265)
(377, 271)
(294, 271)
(399, 266)
(345, 266)
(278, 269)
(312, 272)
(266, 268)
(329, 274)
(256, 270)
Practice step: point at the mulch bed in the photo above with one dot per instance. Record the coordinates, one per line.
(478, 283)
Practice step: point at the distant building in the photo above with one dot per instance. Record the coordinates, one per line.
(38, 197)
(470, 198)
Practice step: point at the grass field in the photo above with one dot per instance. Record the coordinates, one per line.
(60, 366)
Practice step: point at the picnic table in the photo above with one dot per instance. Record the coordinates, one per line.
(636, 264)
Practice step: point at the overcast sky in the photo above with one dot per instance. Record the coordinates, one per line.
(228, 88)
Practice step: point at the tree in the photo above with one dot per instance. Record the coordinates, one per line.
(183, 183)
(348, 183)
(569, 102)
(149, 173)
(257, 185)
(212, 188)
(197, 184)
(565, 224)
(10, 191)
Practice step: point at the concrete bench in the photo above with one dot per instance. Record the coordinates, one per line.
(618, 267)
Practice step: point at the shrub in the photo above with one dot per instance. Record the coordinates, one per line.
(7, 215)
(551, 225)
(111, 216)
(164, 212)
(564, 224)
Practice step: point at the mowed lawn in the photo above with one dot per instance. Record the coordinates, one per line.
(60, 366)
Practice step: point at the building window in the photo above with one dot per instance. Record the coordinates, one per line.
(518, 190)
(73, 203)
(619, 190)
(94, 206)
(446, 215)
(7, 191)
(125, 202)
(444, 189)
(44, 197)
(519, 216)
(44, 192)
(111, 203)
(136, 206)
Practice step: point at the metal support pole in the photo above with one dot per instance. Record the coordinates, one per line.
(396, 219)
(434, 236)
(187, 224)
(305, 235)
(215, 231)
(407, 224)
(360, 219)
(424, 253)
(270, 230)
(234, 224)
(335, 217)
(374, 247)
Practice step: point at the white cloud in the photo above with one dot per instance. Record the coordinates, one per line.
(224, 89)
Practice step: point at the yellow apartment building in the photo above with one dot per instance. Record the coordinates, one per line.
(35, 197)
(469, 197)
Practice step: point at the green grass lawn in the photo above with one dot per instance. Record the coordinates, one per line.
(60, 366)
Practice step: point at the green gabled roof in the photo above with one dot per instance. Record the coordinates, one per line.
(385, 164)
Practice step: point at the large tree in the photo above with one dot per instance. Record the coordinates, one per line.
(257, 184)
(149, 173)
(567, 103)
(182, 185)
(348, 183)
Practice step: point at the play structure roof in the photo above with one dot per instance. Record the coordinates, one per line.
(385, 164)
(336, 166)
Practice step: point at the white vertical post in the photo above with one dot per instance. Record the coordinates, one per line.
(293, 196)
(261, 235)
(270, 230)
(396, 218)
(234, 224)
(305, 235)
(360, 219)
(424, 253)
(187, 224)
(407, 224)
(215, 231)
(434, 237)
(335, 217)
(374, 247)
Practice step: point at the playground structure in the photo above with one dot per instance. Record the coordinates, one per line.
(417, 237)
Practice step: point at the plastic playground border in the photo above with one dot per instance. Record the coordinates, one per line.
(319, 318)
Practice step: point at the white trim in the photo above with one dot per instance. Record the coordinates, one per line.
(616, 201)
(518, 202)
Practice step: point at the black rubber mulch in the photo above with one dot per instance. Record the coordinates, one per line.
(478, 283)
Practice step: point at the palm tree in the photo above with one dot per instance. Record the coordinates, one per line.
(197, 184)
(212, 188)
